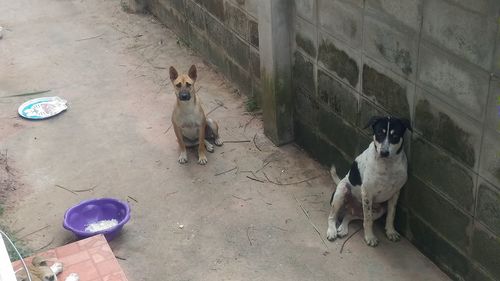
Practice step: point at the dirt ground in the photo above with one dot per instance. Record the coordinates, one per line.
(112, 67)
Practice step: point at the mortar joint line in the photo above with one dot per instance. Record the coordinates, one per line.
(415, 87)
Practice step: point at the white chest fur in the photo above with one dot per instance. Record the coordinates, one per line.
(381, 178)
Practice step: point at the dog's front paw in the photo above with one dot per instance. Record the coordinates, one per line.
(342, 231)
(57, 268)
(210, 147)
(202, 160)
(183, 158)
(371, 240)
(393, 235)
(72, 277)
(331, 233)
(218, 142)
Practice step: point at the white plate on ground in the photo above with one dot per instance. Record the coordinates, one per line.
(42, 108)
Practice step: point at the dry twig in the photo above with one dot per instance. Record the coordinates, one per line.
(88, 38)
(256, 179)
(67, 189)
(137, 47)
(280, 228)
(168, 129)
(19, 230)
(218, 102)
(119, 30)
(244, 199)
(171, 193)
(27, 94)
(236, 141)
(263, 166)
(248, 122)
(46, 245)
(77, 190)
(248, 236)
(85, 190)
(254, 143)
(268, 203)
(227, 171)
(310, 221)
(33, 232)
(350, 236)
(291, 183)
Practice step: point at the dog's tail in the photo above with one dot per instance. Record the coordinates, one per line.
(333, 173)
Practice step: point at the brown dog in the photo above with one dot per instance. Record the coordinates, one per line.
(40, 271)
(191, 126)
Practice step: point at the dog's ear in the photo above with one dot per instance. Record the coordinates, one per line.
(372, 121)
(173, 73)
(192, 73)
(39, 261)
(406, 123)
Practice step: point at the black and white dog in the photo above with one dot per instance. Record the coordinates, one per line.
(376, 176)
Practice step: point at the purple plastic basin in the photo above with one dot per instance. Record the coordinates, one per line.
(77, 218)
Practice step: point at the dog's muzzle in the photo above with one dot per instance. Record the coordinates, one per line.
(384, 153)
(384, 148)
(184, 96)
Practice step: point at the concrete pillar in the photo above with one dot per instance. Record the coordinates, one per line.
(275, 31)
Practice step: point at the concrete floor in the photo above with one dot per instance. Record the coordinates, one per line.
(115, 135)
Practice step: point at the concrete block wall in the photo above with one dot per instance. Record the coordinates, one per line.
(225, 32)
(436, 62)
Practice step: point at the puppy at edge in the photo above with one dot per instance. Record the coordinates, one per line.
(372, 185)
(40, 271)
(190, 124)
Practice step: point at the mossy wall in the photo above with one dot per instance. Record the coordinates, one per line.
(436, 63)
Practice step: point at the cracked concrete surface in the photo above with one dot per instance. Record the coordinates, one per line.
(112, 67)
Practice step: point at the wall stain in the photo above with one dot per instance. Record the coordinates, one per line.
(340, 97)
(339, 62)
(387, 92)
(401, 57)
(303, 74)
(306, 44)
(442, 130)
(488, 209)
(237, 20)
(254, 33)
